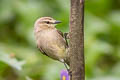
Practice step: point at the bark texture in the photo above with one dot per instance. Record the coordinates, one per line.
(77, 40)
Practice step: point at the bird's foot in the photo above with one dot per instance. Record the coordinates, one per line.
(69, 72)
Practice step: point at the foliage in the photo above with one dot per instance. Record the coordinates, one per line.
(19, 58)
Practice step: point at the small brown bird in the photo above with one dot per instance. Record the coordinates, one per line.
(51, 41)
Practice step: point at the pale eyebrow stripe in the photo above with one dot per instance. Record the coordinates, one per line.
(47, 18)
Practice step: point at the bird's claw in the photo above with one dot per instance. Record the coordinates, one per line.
(69, 72)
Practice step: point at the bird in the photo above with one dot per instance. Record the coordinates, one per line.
(51, 41)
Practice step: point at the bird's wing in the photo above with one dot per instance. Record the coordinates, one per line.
(64, 36)
(42, 51)
(61, 33)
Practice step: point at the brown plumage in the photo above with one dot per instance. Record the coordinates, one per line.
(50, 41)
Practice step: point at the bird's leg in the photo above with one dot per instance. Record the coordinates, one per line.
(69, 72)
(62, 60)
(66, 66)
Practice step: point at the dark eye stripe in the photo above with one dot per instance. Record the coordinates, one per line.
(48, 22)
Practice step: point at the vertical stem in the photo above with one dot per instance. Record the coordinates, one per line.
(77, 40)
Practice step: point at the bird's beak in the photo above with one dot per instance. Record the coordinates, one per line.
(57, 22)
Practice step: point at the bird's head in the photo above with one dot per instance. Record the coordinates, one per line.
(46, 21)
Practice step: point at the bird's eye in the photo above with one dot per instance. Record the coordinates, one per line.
(47, 22)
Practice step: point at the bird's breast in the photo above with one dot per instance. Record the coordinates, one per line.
(52, 43)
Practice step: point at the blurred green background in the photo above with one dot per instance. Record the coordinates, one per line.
(19, 58)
